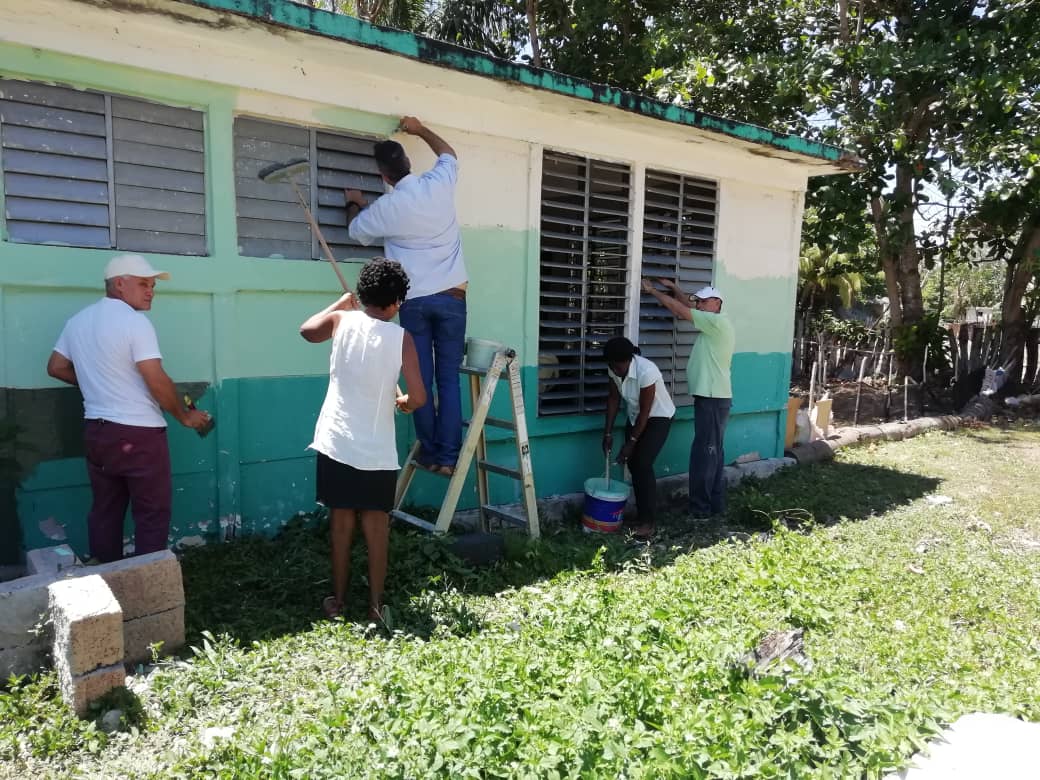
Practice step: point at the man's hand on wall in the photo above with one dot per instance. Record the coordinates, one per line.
(411, 125)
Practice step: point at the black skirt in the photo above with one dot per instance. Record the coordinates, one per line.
(340, 486)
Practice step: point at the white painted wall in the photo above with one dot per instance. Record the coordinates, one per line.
(498, 128)
(309, 74)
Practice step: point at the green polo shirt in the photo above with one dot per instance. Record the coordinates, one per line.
(707, 371)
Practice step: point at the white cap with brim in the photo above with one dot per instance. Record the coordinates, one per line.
(707, 292)
(132, 265)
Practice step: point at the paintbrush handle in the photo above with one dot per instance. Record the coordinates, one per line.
(321, 238)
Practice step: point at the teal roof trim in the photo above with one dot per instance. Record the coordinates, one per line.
(352, 30)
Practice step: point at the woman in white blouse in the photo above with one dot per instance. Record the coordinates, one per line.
(638, 382)
(357, 451)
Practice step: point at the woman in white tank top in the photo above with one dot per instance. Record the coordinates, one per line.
(354, 437)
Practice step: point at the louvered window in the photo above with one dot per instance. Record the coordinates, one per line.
(678, 243)
(271, 222)
(584, 278)
(95, 170)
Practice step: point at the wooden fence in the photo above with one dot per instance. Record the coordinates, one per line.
(823, 360)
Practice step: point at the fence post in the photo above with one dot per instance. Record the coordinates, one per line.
(812, 385)
(859, 391)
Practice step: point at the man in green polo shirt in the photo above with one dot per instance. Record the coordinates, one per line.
(708, 376)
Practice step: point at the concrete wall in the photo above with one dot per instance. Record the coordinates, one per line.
(228, 323)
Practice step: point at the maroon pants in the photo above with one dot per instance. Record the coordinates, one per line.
(127, 464)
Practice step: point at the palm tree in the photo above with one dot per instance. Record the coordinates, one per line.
(823, 278)
(408, 15)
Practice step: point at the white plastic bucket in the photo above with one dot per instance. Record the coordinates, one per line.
(480, 353)
(604, 505)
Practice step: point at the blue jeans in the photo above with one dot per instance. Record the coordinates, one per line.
(707, 459)
(438, 326)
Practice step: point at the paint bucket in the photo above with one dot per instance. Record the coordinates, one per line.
(480, 353)
(604, 504)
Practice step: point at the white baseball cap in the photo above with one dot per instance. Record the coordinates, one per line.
(707, 292)
(132, 265)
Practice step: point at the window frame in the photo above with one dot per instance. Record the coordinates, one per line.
(311, 188)
(595, 238)
(649, 309)
(124, 159)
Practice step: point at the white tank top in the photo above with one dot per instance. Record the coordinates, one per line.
(356, 423)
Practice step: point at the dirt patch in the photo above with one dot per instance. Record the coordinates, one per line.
(876, 404)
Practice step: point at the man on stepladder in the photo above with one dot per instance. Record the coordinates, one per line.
(110, 352)
(419, 229)
(708, 377)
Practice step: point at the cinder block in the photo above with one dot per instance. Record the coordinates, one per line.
(79, 691)
(51, 560)
(144, 584)
(88, 625)
(23, 605)
(166, 627)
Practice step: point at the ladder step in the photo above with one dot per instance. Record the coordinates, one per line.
(498, 422)
(506, 515)
(397, 514)
(479, 371)
(503, 470)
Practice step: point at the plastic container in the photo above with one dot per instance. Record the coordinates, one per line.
(480, 353)
(604, 506)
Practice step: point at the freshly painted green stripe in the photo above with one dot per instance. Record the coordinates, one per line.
(27, 62)
(256, 483)
(244, 312)
(761, 310)
(352, 30)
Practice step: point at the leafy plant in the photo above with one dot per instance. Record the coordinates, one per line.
(584, 656)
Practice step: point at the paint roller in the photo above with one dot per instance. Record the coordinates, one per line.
(288, 171)
(276, 173)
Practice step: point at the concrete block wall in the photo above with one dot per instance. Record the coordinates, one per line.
(148, 589)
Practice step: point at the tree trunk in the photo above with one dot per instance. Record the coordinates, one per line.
(1022, 265)
(1032, 352)
(532, 31)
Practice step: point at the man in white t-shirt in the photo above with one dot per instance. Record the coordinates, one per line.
(109, 350)
(419, 229)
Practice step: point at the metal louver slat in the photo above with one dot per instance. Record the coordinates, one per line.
(344, 162)
(584, 278)
(160, 144)
(270, 220)
(90, 169)
(678, 243)
(53, 148)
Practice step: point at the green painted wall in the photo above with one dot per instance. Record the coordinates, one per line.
(273, 477)
(228, 326)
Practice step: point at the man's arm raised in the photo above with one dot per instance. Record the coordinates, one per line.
(413, 126)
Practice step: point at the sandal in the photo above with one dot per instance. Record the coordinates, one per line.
(444, 470)
(643, 533)
(332, 607)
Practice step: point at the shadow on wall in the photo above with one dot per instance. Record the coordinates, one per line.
(259, 588)
(36, 426)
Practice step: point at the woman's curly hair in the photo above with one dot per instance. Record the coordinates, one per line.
(619, 349)
(382, 282)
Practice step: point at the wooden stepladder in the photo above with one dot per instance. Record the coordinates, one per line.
(482, 386)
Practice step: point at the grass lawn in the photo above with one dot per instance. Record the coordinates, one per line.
(584, 656)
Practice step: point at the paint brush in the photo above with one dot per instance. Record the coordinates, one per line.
(204, 431)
